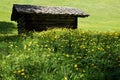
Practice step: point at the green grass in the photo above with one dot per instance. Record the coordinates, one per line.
(62, 54)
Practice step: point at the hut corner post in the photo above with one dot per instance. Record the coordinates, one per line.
(75, 26)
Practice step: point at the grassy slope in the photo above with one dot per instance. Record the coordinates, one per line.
(60, 55)
(104, 14)
(34, 57)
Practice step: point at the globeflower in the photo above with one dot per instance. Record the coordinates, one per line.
(75, 65)
(67, 55)
(82, 46)
(22, 73)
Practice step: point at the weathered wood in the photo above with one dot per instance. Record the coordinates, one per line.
(21, 25)
(31, 9)
(38, 18)
(75, 23)
(45, 21)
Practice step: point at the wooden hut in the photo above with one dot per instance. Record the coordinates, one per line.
(38, 18)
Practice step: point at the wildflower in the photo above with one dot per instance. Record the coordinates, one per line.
(92, 50)
(19, 71)
(30, 43)
(79, 57)
(28, 49)
(84, 71)
(49, 49)
(101, 49)
(48, 55)
(15, 72)
(116, 34)
(22, 70)
(37, 45)
(46, 45)
(24, 35)
(11, 45)
(75, 58)
(108, 46)
(22, 73)
(76, 68)
(67, 55)
(82, 46)
(10, 42)
(92, 64)
(25, 76)
(75, 65)
(65, 78)
(56, 37)
(83, 39)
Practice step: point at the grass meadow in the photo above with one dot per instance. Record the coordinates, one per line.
(91, 52)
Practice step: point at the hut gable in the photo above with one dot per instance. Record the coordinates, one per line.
(32, 17)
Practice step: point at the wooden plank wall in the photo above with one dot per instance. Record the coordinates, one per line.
(39, 22)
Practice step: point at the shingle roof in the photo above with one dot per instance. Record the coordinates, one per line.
(48, 10)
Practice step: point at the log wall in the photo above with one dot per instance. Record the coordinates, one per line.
(42, 22)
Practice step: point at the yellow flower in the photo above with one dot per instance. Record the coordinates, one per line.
(37, 45)
(19, 71)
(22, 73)
(30, 43)
(11, 45)
(79, 57)
(28, 49)
(75, 65)
(76, 68)
(15, 72)
(48, 55)
(22, 70)
(65, 78)
(92, 50)
(56, 37)
(92, 64)
(108, 46)
(101, 49)
(25, 76)
(75, 58)
(84, 70)
(46, 45)
(67, 55)
(116, 34)
(82, 46)
(49, 49)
